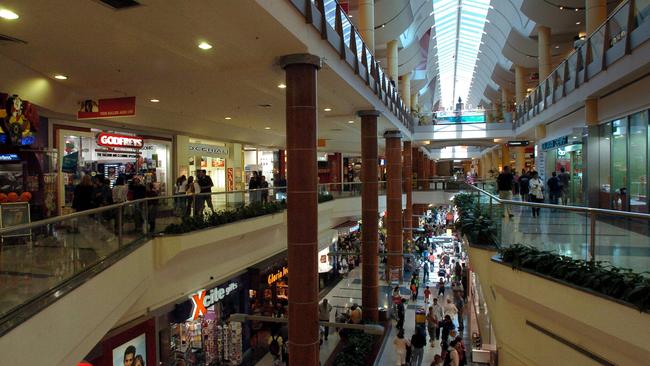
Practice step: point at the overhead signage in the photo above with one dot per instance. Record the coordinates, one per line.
(555, 143)
(275, 277)
(518, 143)
(113, 140)
(208, 149)
(107, 108)
(9, 157)
(203, 299)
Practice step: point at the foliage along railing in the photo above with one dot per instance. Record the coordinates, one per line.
(221, 217)
(475, 222)
(343, 36)
(618, 283)
(624, 30)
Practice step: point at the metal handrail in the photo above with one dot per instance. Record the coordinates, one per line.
(587, 210)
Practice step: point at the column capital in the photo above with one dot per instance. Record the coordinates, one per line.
(368, 113)
(393, 134)
(300, 58)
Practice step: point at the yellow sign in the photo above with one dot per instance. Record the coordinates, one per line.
(275, 277)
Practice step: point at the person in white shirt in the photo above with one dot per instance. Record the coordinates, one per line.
(439, 314)
(536, 189)
(400, 348)
(450, 309)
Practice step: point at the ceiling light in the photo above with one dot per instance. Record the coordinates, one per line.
(267, 128)
(154, 100)
(577, 23)
(327, 109)
(281, 86)
(557, 47)
(576, 9)
(8, 14)
(228, 118)
(561, 7)
(350, 121)
(205, 46)
(60, 77)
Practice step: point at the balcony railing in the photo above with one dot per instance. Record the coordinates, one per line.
(623, 31)
(332, 22)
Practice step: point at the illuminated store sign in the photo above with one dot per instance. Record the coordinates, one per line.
(201, 149)
(555, 143)
(203, 299)
(275, 277)
(112, 140)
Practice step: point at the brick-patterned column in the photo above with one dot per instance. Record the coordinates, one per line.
(394, 201)
(407, 176)
(369, 216)
(302, 206)
(422, 174)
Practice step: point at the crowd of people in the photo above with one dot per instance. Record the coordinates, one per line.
(194, 202)
(530, 187)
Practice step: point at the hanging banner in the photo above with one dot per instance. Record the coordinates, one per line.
(230, 179)
(107, 108)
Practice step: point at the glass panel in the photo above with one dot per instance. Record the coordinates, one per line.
(597, 39)
(623, 242)
(604, 159)
(641, 11)
(619, 165)
(618, 25)
(639, 162)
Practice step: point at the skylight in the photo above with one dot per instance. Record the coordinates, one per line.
(459, 29)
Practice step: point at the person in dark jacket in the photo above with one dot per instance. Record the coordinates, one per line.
(505, 182)
(554, 188)
(83, 195)
(418, 341)
(524, 190)
(138, 191)
(152, 206)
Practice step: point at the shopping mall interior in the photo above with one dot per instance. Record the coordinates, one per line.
(324, 182)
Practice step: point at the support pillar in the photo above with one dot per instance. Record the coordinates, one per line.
(591, 111)
(520, 84)
(506, 100)
(407, 177)
(540, 132)
(591, 158)
(394, 203)
(369, 216)
(596, 13)
(302, 206)
(421, 173)
(367, 23)
(415, 100)
(496, 160)
(544, 51)
(391, 56)
(520, 159)
(505, 155)
(425, 170)
(405, 89)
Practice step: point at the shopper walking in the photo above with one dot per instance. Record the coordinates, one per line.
(190, 194)
(504, 185)
(554, 188)
(564, 179)
(453, 353)
(438, 313)
(324, 310)
(264, 185)
(524, 181)
(400, 314)
(432, 324)
(418, 341)
(205, 182)
(152, 207)
(427, 295)
(441, 287)
(536, 187)
(138, 191)
(401, 344)
(179, 190)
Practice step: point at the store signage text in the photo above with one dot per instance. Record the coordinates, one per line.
(275, 277)
(203, 299)
(112, 140)
(107, 108)
(558, 142)
(209, 149)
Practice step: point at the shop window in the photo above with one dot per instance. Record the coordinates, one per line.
(639, 162)
(620, 189)
(604, 194)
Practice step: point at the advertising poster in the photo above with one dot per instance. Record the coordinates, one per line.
(131, 353)
(107, 108)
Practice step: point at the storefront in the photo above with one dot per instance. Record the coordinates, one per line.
(221, 161)
(269, 162)
(619, 151)
(197, 331)
(103, 152)
(564, 152)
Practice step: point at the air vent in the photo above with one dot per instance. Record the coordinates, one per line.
(264, 105)
(120, 4)
(6, 38)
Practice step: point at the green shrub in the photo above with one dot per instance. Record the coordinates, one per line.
(324, 197)
(477, 225)
(619, 283)
(357, 349)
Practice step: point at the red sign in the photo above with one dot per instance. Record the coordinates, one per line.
(113, 140)
(231, 179)
(107, 108)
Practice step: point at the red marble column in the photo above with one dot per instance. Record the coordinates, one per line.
(302, 207)
(369, 216)
(420, 170)
(394, 202)
(407, 177)
(425, 170)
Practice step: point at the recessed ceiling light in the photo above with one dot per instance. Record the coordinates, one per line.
(557, 46)
(154, 100)
(281, 86)
(205, 46)
(8, 14)
(577, 23)
(327, 109)
(60, 77)
(350, 121)
(228, 118)
(267, 128)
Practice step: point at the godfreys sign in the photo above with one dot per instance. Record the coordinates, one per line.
(113, 140)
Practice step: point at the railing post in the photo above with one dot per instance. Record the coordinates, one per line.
(145, 218)
(491, 209)
(120, 220)
(592, 236)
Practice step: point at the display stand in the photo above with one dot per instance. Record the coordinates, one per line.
(13, 214)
